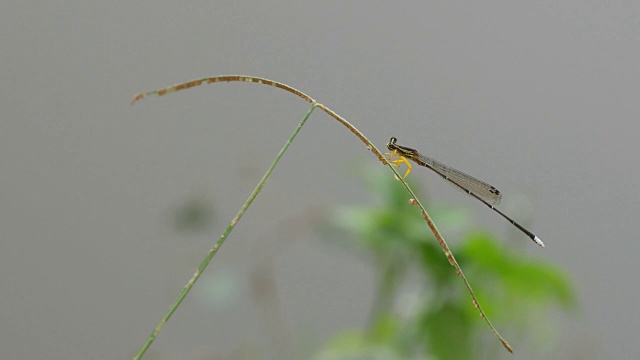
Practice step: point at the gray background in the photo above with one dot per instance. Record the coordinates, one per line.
(540, 99)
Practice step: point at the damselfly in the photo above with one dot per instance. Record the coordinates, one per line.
(468, 184)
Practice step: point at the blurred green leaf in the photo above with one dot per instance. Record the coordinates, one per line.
(512, 288)
(194, 215)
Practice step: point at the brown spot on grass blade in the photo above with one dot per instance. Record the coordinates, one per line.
(137, 97)
(186, 85)
(506, 345)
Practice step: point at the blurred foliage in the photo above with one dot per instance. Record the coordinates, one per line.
(520, 294)
(195, 215)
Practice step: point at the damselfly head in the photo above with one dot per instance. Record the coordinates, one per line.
(392, 143)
